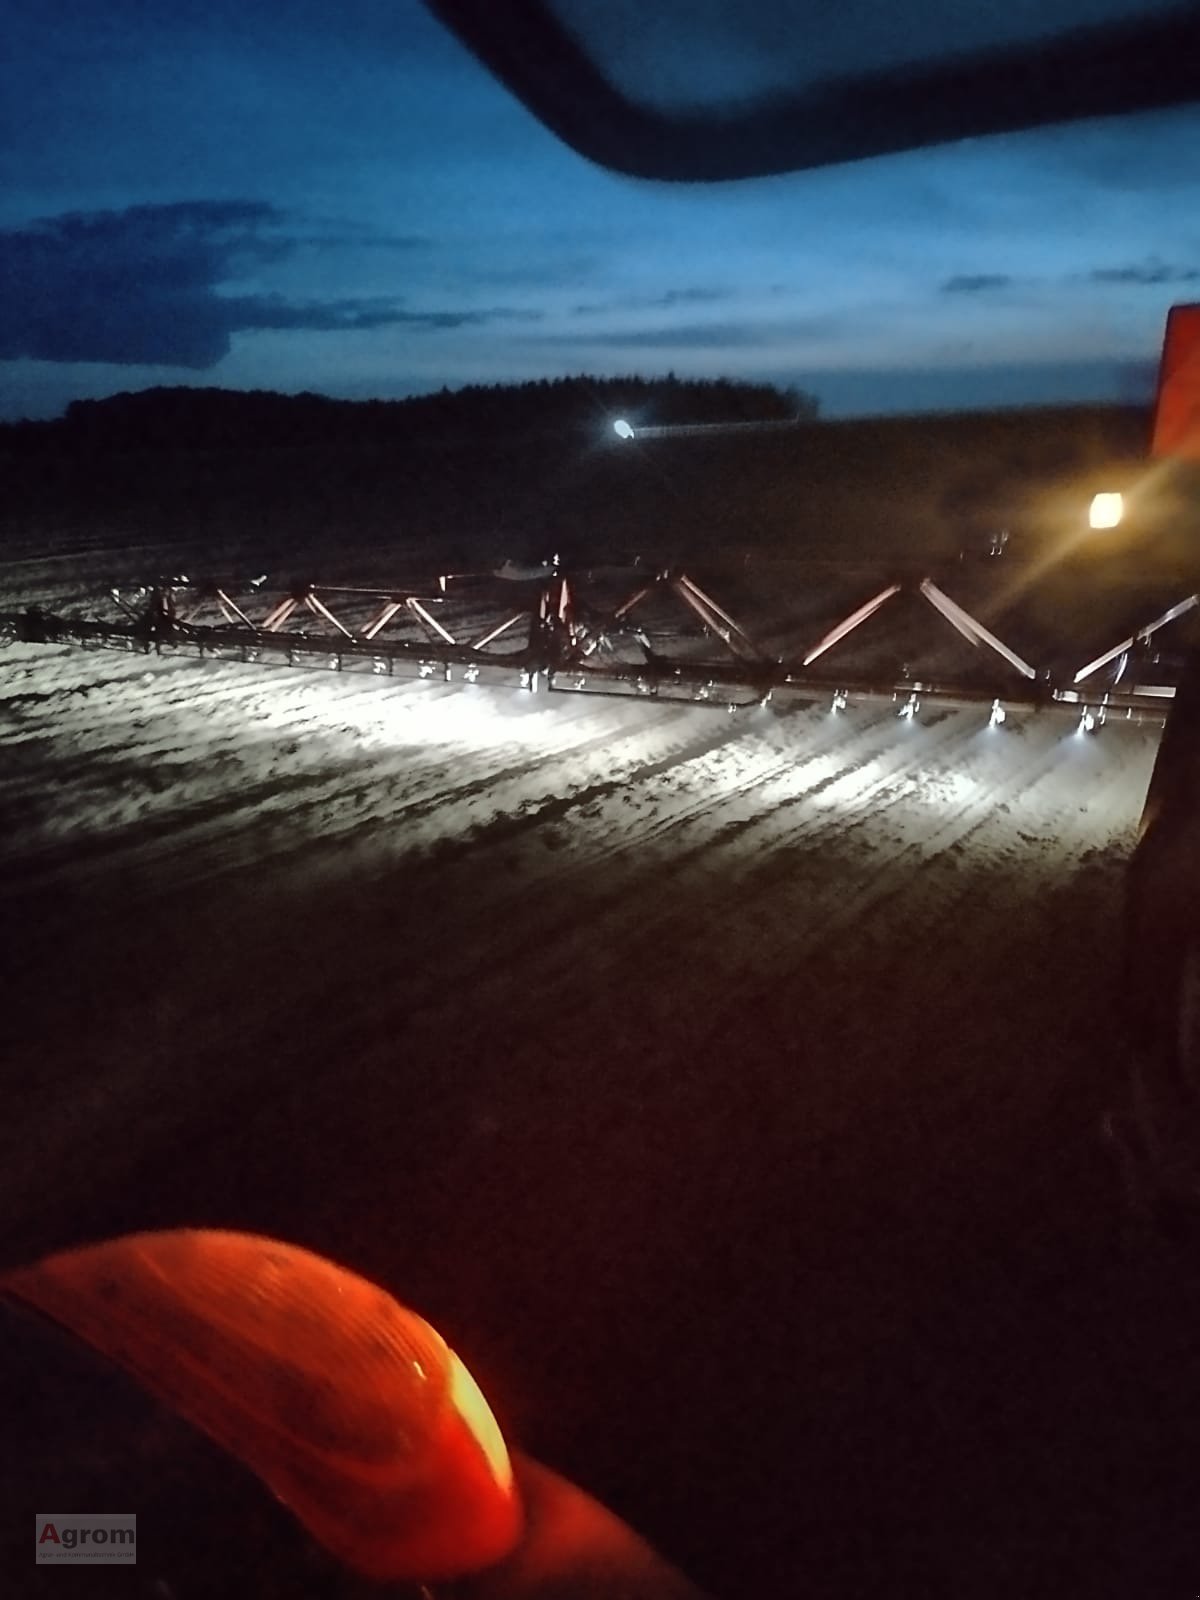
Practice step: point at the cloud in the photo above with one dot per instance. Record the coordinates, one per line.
(976, 282)
(657, 302)
(1147, 272)
(141, 286)
(703, 335)
(681, 336)
(250, 313)
(335, 233)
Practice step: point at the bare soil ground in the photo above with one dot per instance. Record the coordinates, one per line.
(727, 1089)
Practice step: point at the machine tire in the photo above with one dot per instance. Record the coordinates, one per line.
(1186, 1039)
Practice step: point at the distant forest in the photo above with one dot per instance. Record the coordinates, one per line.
(314, 484)
(218, 419)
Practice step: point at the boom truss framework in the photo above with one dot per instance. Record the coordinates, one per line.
(549, 630)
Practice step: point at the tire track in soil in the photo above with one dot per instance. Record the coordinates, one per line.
(489, 971)
(435, 1027)
(702, 807)
(417, 776)
(322, 799)
(560, 917)
(335, 792)
(955, 1099)
(740, 931)
(715, 739)
(702, 811)
(837, 913)
(323, 794)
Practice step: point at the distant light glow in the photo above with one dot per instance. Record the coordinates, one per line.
(623, 429)
(1106, 510)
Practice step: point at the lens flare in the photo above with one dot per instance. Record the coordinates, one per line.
(1106, 510)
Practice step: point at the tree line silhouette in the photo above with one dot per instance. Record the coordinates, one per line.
(217, 419)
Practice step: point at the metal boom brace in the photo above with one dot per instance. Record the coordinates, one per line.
(560, 632)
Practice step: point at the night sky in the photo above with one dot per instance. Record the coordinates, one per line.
(296, 194)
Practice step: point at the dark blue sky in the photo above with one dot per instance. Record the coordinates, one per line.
(295, 194)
